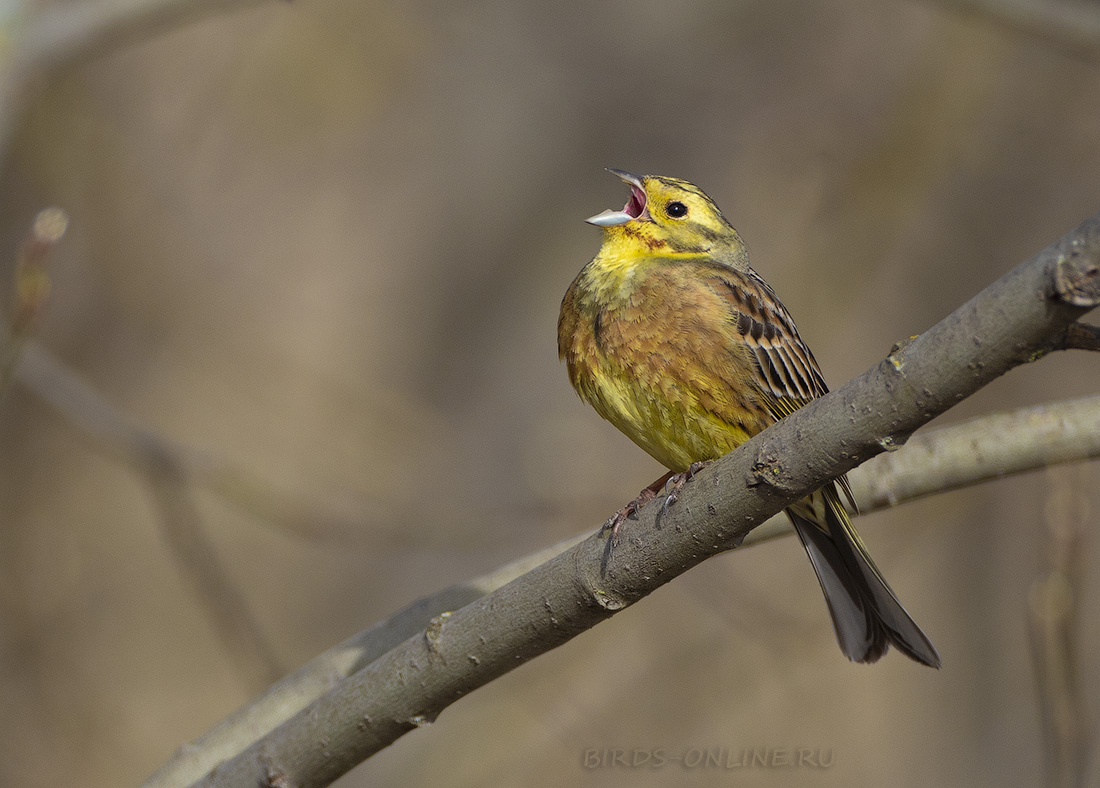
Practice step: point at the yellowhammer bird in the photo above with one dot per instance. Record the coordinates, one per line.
(672, 338)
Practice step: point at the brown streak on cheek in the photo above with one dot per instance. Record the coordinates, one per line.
(647, 240)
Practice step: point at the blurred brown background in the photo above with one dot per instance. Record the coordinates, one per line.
(327, 241)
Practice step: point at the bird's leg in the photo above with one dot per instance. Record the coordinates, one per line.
(676, 482)
(631, 509)
(672, 481)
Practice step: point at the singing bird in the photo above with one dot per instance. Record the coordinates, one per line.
(674, 339)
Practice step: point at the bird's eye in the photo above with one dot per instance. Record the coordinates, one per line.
(676, 210)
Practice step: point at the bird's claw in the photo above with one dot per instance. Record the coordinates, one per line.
(628, 512)
(670, 482)
(676, 483)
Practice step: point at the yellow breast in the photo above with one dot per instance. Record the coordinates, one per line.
(652, 347)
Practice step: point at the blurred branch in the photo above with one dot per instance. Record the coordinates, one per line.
(1053, 628)
(63, 33)
(32, 288)
(1070, 26)
(161, 463)
(38, 38)
(170, 468)
(408, 686)
(972, 452)
(968, 453)
(114, 431)
(167, 467)
(225, 606)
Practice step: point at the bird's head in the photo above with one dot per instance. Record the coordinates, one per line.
(668, 216)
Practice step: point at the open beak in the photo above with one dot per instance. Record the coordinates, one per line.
(635, 207)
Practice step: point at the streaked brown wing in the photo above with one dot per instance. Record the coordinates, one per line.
(786, 368)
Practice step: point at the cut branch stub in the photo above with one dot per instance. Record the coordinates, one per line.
(1077, 277)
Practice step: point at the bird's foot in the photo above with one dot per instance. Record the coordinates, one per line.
(677, 482)
(671, 483)
(630, 511)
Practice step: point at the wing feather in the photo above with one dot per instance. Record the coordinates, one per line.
(786, 368)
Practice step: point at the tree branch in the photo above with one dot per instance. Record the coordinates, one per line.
(968, 453)
(974, 451)
(321, 674)
(1014, 320)
(1080, 336)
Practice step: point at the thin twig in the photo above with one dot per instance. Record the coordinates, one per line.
(112, 430)
(198, 561)
(32, 288)
(167, 467)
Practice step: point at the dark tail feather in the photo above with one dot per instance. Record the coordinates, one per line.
(866, 614)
